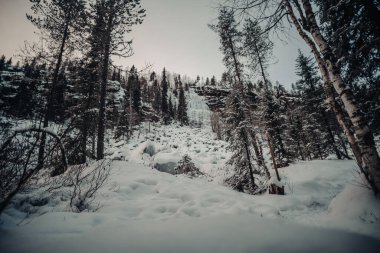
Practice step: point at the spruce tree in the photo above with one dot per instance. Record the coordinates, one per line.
(313, 109)
(213, 81)
(156, 103)
(2, 62)
(207, 81)
(182, 108)
(118, 16)
(257, 47)
(135, 88)
(171, 108)
(9, 62)
(164, 98)
(241, 135)
(236, 133)
(274, 125)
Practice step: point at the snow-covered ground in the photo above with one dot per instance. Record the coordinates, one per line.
(144, 210)
(325, 209)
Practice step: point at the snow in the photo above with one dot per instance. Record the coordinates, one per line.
(166, 162)
(325, 209)
(216, 234)
(364, 209)
(144, 210)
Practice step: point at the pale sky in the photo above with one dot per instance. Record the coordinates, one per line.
(174, 35)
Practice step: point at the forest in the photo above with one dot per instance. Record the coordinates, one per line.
(87, 145)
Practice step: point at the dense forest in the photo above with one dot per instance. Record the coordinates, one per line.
(65, 106)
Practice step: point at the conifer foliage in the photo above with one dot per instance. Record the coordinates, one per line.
(187, 167)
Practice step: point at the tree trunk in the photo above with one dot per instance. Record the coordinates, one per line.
(271, 150)
(86, 121)
(252, 179)
(369, 156)
(103, 91)
(259, 155)
(273, 188)
(51, 93)
(329, 93)
(260, 63)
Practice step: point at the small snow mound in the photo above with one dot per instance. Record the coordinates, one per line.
(357, 209)
(146, 147)
(166, 161)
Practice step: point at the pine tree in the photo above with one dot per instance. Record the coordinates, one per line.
(9, 62)
(236, 133)
(295, 139)
(274, 125)
(239, 132)
(156, 103)
(118, 16)
(315, 125)
(89, 83)
(2, 62)
(171, 108)
(164, 98)
(207, 81)
(257, 46)
(182, 108)
(135, 88)
(152, 76)
(213, 81)
(57, 19)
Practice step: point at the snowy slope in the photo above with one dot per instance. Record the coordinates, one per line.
(325, 208)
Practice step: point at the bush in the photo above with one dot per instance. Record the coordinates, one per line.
(186, 166)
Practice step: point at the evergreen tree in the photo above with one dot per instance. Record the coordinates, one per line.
(240, 133)
(207, 81)
(58, 101)
(315, 124)
(9, 62)
(164, 98)
(274, 125)
(182, 108)
(89, 83)
(237, 135)
(135, 88)
(156, 104)
(295, 139)
(213, 81)
(152, 76)
(257, 46)
(186, 166)
(357, 48)
(171, 108)
(117, 16)
(57, 19)
(2, 62)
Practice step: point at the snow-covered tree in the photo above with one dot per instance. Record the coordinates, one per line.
(182, 107)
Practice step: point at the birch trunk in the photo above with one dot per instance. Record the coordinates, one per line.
(369, 157)
(329, 94)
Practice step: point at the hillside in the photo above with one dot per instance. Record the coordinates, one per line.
(144, 210)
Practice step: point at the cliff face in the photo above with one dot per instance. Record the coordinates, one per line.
(216, 96)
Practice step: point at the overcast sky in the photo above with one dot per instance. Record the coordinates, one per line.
(174, 34)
